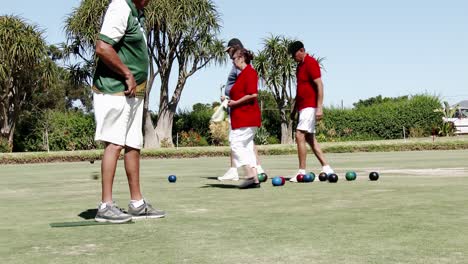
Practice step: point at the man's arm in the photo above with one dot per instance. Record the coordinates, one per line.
(319, 112)
(109, 56)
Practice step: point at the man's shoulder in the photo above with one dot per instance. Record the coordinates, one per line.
(119, 6)
(310, 59)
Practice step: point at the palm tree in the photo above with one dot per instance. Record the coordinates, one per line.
(82, 28)
(25, 69)
(181, 34)
(277, 69)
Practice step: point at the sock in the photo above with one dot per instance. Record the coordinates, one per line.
(301, 171)
(260, 169)
(234, 170)
(137, 203)
(327, 169)
(102, 205)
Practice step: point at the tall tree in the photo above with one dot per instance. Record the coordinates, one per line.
(277, 70)
(82, 27)
(182, 34)
(25, 69)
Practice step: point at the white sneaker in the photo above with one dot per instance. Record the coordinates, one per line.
(230, 175)
(294, 179)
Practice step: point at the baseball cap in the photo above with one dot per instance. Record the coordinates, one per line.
(234, 42)
(294, 47)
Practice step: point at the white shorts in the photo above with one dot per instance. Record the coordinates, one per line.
(119, 119)
(307, 120)
(242, 145)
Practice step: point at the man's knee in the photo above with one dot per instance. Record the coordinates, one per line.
(114, 147)
(300, 136)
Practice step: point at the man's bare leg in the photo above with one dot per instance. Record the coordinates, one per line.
(315, 146)
(108, 167)
(132, 168)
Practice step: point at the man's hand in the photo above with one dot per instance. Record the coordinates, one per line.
(223, 98)
(319, 113)
(131, 85)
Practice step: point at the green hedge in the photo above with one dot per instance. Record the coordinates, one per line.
(382, 121)
(70, 130)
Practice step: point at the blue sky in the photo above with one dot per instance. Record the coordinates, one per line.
(388, 48)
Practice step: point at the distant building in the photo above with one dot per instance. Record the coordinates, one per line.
(462, 104)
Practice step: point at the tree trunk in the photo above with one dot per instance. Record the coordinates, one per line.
(149, 133)
(286, 133)
(7, 129)
(286, 127)
(164, 128)
(151, 139)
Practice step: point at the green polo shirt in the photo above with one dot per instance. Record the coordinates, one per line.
(123, 28)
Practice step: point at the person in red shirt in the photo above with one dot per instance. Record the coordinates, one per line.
(245, 117)
(309, 104)
(232, 46)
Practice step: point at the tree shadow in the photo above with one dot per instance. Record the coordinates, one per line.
(88, 214)
(221, 186)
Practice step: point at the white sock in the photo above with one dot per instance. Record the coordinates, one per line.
(301, 171)
(102, 205)
(260, 169)
(327, 169)
(137, 203)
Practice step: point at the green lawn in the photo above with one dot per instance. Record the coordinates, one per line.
(416, 213)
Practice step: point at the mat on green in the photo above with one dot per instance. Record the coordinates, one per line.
(84, 223)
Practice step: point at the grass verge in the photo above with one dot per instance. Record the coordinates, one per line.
(449, 143)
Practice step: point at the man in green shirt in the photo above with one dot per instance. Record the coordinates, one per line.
(119, 88)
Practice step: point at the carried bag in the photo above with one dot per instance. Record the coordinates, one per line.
(218, 115)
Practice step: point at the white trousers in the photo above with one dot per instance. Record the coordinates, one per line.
(242, 145)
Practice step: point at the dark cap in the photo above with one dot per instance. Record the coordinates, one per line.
(295, 47)
(234, 42)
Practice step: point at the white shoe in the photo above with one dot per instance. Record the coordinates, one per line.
(294, 179)
(230, 175)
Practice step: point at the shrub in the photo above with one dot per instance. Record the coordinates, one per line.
(192, 139)
(261, 136)
(416, 132)
(56, 130)
(272, 140)
(384, 119)
(219, 133)
(198, 120)
(4, 146)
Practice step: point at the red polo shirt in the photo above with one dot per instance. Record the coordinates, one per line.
(247, 114)
(306, 93)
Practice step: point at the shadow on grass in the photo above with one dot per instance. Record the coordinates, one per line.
(221, 186)
(88, 214)
(210, 178)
